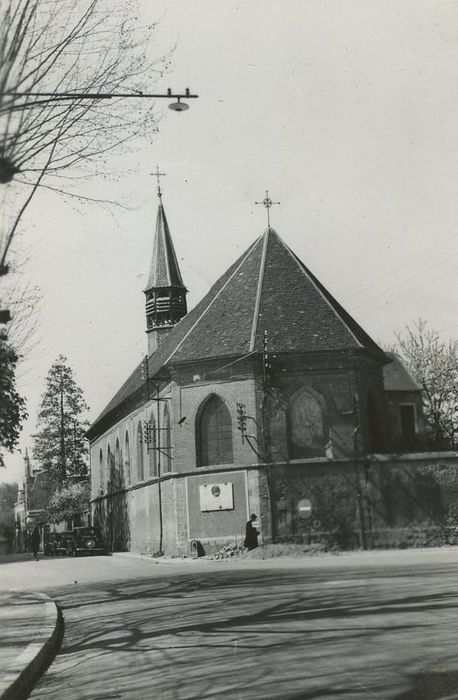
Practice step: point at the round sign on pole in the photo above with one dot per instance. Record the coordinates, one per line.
(304, 508)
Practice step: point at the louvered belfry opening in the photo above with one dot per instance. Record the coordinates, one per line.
(165, 306)
(165, 294)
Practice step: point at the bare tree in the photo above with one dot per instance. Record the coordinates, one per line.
(69, 47)
(434, 364)
(24, 327)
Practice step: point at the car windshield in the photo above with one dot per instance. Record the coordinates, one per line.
(85, 531)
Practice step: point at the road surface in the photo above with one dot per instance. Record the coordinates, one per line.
(382, 625)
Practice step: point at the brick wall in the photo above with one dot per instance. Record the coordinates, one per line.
(340, 381)
(217, 526)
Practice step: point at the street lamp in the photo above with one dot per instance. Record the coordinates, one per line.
(8, 170)
(46, 97)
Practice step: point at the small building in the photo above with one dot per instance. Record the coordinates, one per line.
(405, 408)
(30, 507)
(267, 383)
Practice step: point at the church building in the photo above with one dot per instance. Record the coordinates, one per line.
(267, 384)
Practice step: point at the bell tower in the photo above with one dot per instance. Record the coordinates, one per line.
(165, 292)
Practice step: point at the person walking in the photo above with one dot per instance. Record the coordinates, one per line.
(35, 541)
(251, 535)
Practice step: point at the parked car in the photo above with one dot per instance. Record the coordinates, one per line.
(56, 543)
(87, 540)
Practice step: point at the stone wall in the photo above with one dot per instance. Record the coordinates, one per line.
(409, 500)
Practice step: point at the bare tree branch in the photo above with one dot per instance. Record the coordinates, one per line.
(70, 46)
(434, 365)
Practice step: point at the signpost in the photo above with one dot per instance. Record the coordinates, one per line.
(304, 509)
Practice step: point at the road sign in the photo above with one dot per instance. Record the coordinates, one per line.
(304, 508)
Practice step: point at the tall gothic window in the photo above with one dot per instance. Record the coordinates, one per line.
(140, 467)
(101, 471)
(166, 432)
(110, 469)
(152, 451)
(306, 436)
(127, 459)
(214, 434)
(118, 459)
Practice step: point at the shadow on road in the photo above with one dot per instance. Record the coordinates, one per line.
(439, 685)
(256, 634)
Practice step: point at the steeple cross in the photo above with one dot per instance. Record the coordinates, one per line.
(158, 178)
(267, 202)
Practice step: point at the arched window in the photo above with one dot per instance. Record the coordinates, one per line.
(101, 471)
(110, 469)
(214, 434)
(167, 443)
(126, 460)
(306, 431)
(152, 451)
(140, 468)
(118, 464)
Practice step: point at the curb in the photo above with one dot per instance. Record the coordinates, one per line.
(17, 682)
(321, 557)
(153, 560)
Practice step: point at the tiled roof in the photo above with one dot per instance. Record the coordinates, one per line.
(164, 271)
(267, 289)
(396, 376)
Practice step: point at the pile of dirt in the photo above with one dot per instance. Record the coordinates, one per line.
(268, 551)
(229, 551)
(296, 551)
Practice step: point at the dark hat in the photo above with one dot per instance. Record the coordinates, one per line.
(253, 517)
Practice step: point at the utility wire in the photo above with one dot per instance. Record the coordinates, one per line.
(381, 277)
(370, 299)
(420, 286)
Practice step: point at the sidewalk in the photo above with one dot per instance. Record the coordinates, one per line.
(358, 558)
(30, 634)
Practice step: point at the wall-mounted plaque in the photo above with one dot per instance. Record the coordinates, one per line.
(216, 496)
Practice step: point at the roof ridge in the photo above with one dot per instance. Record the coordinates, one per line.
(234, 272)
(259, 290)
(165, 230)
(309, 275)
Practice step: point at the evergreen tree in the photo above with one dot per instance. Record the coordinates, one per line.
(60, 447)
(12, 406)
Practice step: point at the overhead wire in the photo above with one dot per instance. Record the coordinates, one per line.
(381, 277)
(420, 286)
(370, 299)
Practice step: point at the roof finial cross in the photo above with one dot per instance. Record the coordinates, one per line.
(267, 202)
(158, 178)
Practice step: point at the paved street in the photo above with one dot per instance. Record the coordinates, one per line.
(380, 625)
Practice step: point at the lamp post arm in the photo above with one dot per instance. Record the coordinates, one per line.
(58, 96)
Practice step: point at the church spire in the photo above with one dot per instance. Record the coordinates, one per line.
(165, 292)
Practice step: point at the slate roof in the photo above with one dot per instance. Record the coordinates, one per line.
(396, 376)
(164, 270)
(267, 288)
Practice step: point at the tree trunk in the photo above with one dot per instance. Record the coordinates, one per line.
(63, 466)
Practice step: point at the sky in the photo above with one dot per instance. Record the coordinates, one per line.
(345, 111)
